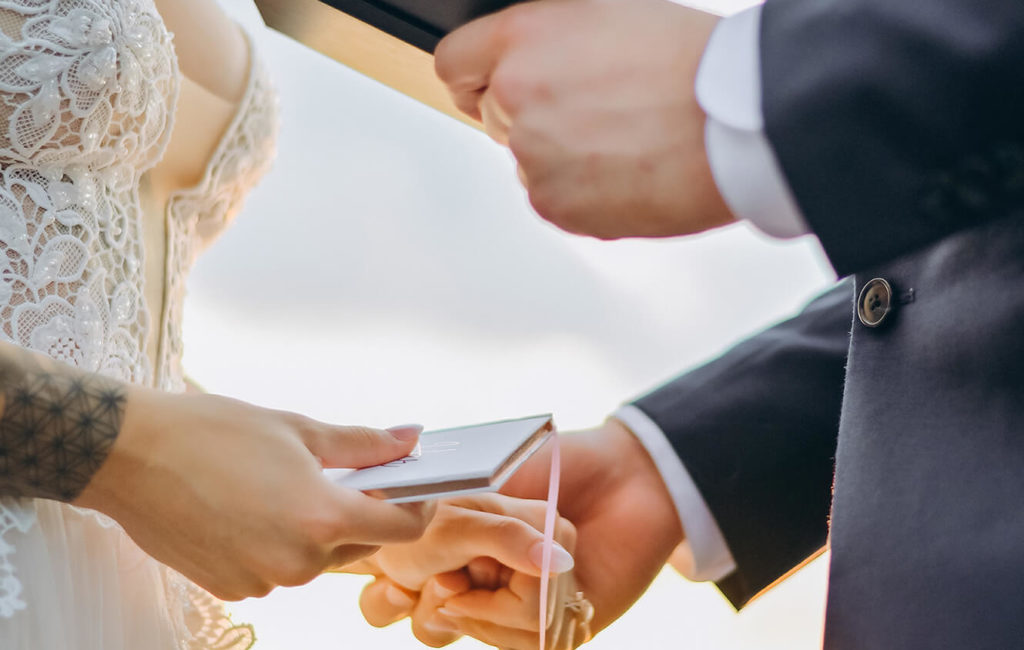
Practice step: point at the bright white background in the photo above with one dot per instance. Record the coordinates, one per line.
(390, 270)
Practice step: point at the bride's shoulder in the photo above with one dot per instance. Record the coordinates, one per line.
(212, 50)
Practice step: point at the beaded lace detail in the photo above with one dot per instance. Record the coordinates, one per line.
(87, 93)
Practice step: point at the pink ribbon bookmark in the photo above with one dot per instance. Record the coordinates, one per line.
(549, 536)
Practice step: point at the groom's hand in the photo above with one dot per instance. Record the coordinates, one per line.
(596, 100)
(233, 496)
(624, 527)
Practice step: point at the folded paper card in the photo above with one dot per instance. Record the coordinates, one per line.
(391, 41)
(463, 460)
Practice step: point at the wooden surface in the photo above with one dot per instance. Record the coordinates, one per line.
(363, 48)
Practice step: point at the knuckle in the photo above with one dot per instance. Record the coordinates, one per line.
(510, 87)
(307, 429)
(298, 422)
(349, 553)
(224, 593)
(517, 23)
(430, 638)
(565, 533)
(262, 589)
(411, 531)
(443, 61)
(358, 436)
(319, 528)
(375, 618)
(297, 569)
(373, 604)
(548, 203)
(508, 528)
(535, 512)
(256, 588)
(519, 143)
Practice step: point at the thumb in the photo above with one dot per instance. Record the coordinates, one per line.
(363, 446)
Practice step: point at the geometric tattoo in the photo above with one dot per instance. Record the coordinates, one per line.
(57, 425)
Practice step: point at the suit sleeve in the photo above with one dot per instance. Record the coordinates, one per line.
(895, 123)
(756, 429)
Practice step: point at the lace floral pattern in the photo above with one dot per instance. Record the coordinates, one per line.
(87, 93)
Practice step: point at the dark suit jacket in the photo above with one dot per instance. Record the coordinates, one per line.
(900, 129)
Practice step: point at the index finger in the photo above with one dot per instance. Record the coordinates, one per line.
(361, 519)
(465, 59)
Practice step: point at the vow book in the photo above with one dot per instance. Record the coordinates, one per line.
(449, 462)
(391, 41)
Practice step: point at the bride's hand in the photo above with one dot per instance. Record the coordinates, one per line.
(232, 495)
(475, 571)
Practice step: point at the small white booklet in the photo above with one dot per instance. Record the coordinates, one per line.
(463, 460)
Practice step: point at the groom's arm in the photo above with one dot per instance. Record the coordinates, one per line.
(879, 126)
(755, 431)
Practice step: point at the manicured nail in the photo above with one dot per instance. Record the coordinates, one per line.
(443, 593)
(450, 613)
(406, 432)
(439, 625)
(398, 598)
(561, 560)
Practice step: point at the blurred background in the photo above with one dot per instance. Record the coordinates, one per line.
(389, 270)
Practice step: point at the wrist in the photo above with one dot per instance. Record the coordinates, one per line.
(637, 474)
(123, 471)
(57, 425)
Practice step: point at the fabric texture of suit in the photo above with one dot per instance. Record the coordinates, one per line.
(898, 127)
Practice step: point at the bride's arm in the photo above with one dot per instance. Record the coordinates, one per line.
(229, 494)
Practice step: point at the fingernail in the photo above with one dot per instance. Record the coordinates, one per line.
(398, 598)
(443, 592)
(561, 560)
(439, 625)
(450, 613)
(406, 432)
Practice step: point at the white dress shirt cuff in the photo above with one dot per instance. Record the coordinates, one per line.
(742, 161)
(707, 557)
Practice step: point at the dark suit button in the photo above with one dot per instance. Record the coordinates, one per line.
(874, 302)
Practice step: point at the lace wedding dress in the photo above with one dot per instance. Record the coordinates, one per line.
(87, 94)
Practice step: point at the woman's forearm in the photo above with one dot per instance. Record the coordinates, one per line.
(57, 424)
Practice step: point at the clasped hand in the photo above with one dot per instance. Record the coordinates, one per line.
(476, 570)
(596, 100)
